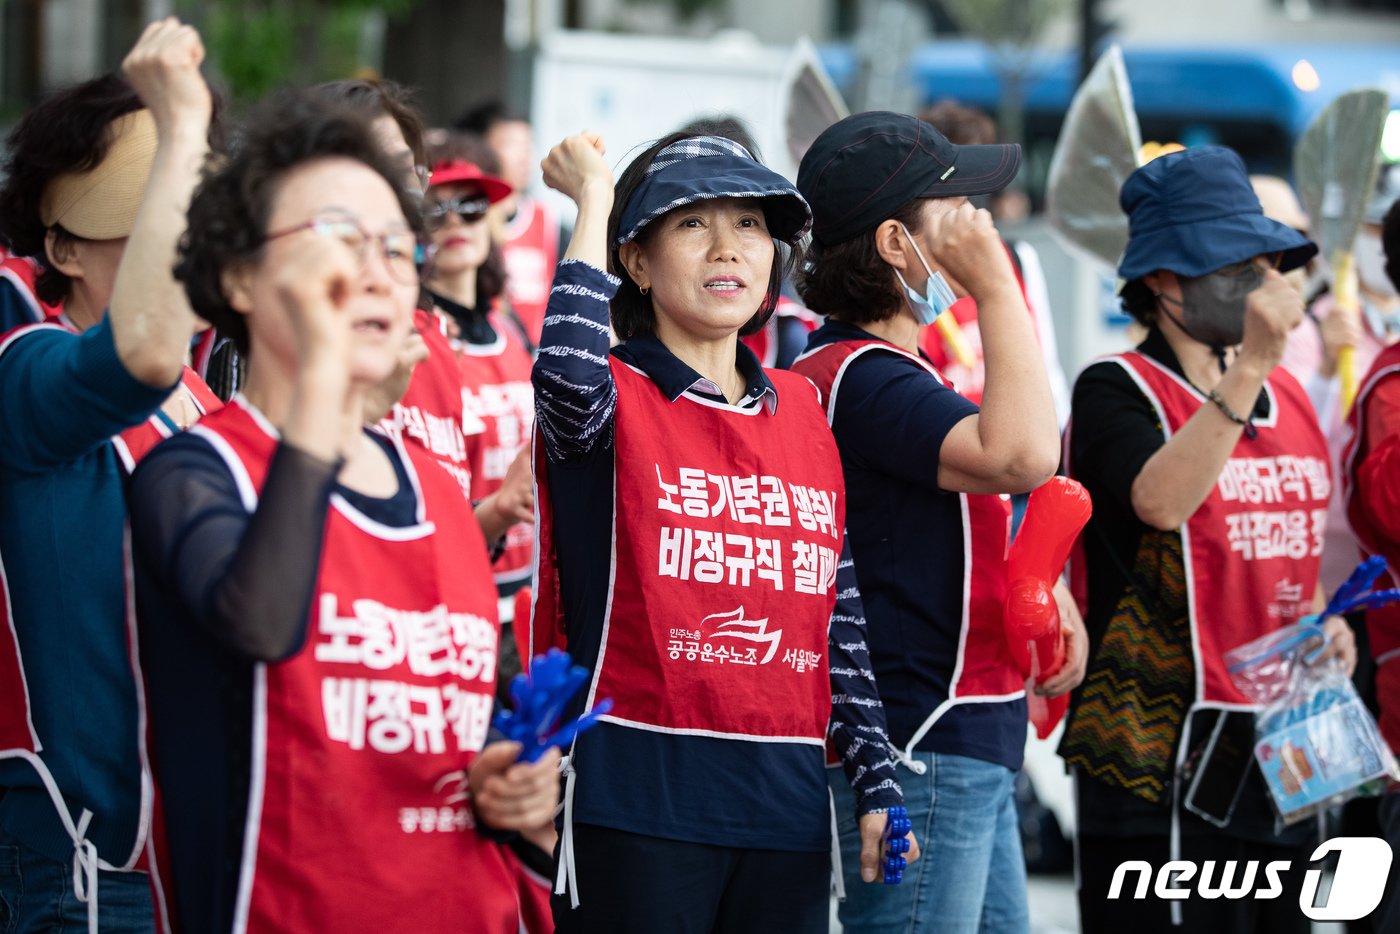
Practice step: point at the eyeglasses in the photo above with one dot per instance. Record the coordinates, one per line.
(397, 248)
(468, 210)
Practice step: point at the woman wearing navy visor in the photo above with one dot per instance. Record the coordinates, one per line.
(895, 240)
(691, 524)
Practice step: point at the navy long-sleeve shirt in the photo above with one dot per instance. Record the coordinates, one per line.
(576, 405)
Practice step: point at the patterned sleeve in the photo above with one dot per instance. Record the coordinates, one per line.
(857, 727)
(575, 398)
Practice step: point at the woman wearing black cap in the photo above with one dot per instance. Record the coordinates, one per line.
(894, 241)
(691, 524)
(1210, 484)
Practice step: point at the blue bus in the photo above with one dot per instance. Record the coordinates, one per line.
(1256, 99)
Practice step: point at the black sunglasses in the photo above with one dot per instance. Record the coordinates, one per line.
(468, 210)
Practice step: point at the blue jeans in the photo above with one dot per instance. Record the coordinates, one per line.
(971, 877)
(36, 895)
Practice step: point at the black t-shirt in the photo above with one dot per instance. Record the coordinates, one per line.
(1114, 431)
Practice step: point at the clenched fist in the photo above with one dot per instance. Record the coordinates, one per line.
(163, 68)
(966, 246)
(1270, 312)
(576, 164)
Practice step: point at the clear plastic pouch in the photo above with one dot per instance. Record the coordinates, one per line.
(1316, 743)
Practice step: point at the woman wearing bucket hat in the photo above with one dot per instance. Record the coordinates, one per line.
(894, 241)
(1210, 483)
(690, 535)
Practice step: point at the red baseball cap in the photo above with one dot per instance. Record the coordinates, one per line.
(459, 170)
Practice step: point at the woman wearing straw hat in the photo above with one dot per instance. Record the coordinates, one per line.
(690, 533)
(97, 182)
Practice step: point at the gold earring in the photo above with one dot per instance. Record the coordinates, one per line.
(644, 289)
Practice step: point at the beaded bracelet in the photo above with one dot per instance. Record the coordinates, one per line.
(1247, 424)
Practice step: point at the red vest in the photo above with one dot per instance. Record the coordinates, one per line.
(21, 272)
(1253, 548)
(531, 251)
(17, 735)
(726, 538)
(136, 442)
(498, 404)
(983, 668)
(430, 413)
(358, 814)
(1383, 623)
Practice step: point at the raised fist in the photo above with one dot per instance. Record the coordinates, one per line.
(575, 163)
(163, 68)
(1270, 312)
(966, 246)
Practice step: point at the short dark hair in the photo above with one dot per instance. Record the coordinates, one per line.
(65, 132)
(1390, 242)
(1139, 302)
(229, 211)
(962, 125)
(632, 312)
(378, 98)
(483, 116)
(725, 126)
(470, 147)
(851, 282)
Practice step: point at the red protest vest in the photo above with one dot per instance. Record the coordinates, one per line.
(358, 811)
(1253, 548)
(530, 252)
(430, 413)
(727, 533)
(1382, 623)
(17, 736)
(498, 414)
(136, 442)
(983, 668)
(21, 272)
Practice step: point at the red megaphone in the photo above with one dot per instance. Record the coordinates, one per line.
(1055, 515)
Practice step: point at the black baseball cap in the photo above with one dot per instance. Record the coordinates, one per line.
(863, 169)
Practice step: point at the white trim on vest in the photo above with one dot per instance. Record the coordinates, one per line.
(143, 826)
(14, 635)
(25, 293)
(714, 734)
(246, 491)
(257, 777)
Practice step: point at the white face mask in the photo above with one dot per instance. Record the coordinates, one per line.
(938, 296)
(1370, 263)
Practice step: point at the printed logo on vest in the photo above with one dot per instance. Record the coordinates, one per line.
(452, 816)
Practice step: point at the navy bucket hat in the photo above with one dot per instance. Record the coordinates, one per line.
(705, 167)
(1193, 212)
